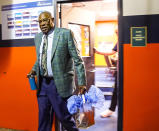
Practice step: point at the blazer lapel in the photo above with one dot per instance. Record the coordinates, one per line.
(55, 41)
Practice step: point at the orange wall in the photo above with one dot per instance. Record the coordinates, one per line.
(18, 106)
(104, 37)
(18, 103)
(141, 88)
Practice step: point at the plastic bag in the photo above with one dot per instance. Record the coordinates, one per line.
(82, 107)
(94, 96)
(74, 103)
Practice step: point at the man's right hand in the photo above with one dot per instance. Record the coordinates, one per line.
(31, 73)
(82, 90)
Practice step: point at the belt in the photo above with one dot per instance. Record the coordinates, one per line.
(48, 77)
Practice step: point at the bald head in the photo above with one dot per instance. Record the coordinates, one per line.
(48, 14)
(46, 22)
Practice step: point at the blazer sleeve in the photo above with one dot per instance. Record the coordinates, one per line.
(35, 66)
(78, 62)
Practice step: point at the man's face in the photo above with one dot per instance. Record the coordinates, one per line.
(45, 22)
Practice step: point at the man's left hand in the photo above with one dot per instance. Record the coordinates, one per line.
(82, 90)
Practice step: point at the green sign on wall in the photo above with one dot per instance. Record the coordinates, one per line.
(138, 36)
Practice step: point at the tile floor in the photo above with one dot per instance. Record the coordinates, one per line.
(3, 129)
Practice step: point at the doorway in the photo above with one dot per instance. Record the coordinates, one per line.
(97, 16)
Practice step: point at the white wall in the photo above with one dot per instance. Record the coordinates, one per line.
(79, 16)
(140, 7)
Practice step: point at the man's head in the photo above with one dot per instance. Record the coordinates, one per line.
(46, 22)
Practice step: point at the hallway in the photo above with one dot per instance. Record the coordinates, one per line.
(105, 81)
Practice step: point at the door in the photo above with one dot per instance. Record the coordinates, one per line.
(80, 15)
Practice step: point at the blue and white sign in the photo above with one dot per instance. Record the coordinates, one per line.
(19, 21)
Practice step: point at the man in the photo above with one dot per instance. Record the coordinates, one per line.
(57, 54)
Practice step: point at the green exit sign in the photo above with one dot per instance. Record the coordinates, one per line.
(138, 36)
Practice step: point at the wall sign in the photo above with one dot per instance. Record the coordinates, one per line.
(138, 36)
(19, 21)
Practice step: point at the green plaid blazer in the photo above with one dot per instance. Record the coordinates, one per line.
(65, 59)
